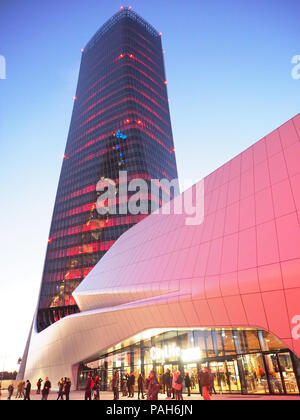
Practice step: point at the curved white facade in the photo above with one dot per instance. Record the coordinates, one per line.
(239, 268)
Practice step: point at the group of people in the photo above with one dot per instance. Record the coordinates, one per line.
(128, 384)
(64, 389)
(23, 390)
(92, 388)
(149, 387)
(170, 383)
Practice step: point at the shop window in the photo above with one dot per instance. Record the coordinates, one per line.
(199, 340)
(218, 343)
(248, 341)
(269, 342)
(288, 375)
(209, 343)
(228, 342)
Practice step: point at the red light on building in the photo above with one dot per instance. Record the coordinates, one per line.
(131, 55)
(75, 98)
(65, 156)
(139, 122)
(127, 121)
(49, 240)
(121, 56)
(82, 50)
(130, 8)
(165, 82)
(160, 34)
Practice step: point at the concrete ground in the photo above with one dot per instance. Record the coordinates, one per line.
(108, 396)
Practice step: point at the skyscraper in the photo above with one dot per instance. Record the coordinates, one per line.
(120, 121)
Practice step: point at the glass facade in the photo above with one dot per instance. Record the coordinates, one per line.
(120, 122)
(242, 361)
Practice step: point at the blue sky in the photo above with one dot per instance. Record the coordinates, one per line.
(228, 65)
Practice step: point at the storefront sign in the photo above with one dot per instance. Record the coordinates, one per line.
(173, 352)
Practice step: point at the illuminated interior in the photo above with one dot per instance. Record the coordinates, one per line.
(242, 360)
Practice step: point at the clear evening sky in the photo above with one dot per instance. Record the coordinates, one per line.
(228, 65)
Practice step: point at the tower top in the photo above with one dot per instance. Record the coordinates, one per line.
(124, 12)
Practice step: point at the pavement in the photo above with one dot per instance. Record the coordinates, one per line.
(108, 396)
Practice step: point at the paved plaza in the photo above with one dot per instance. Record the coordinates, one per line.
(108, 396)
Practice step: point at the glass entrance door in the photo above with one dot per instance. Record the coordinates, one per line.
(274, 374)
(233, 376)
(255, 374)
(218, 369)
(226, 376)
(287, 373)
(192, 370)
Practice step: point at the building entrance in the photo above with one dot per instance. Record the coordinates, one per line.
(240, 360)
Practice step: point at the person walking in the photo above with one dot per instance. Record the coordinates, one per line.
(168, 382)
(20, 390)
(39, 385)
(187, 383)
(161, 383)
(153, 387)
(128, 384)
(193, 382)
(10, 391)
(275, 382)
(61, 386)
(96, 388)
(141, 383)
(205, 381)
(27, 391)
(131, 384)
(174, 384)
(211, 387)
(115, 385)
(46, 389)
(200, 375)
(147, 382)
(88, 389)
(164, 379)
(67, 388)
(178, 385)
(124, 385)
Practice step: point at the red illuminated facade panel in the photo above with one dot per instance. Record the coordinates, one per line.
(121, 86)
